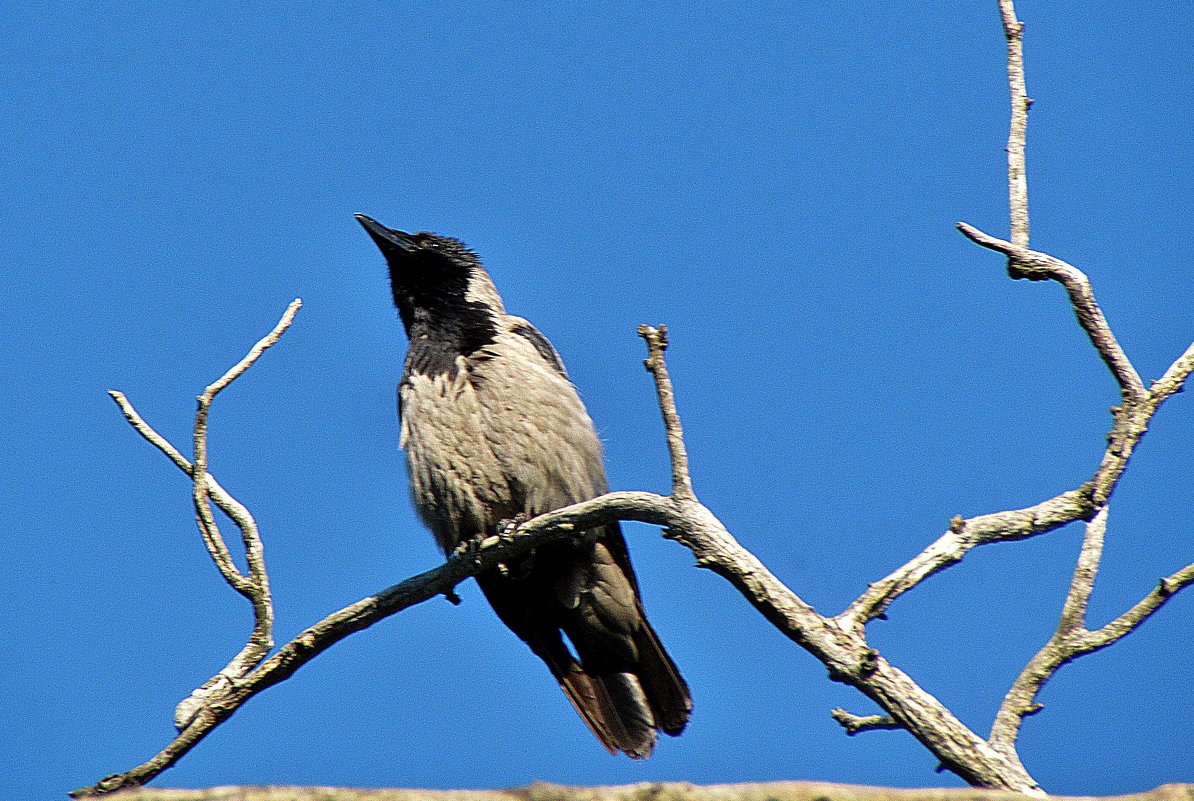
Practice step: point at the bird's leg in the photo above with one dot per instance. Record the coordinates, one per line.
(505, 532)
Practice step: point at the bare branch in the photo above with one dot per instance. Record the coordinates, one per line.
(1017, 173)
(1073, 613)
(252, 652)
(1175, 377)
(855, 724)
(152, 437)
(963, 535)
(228, 696)
(1144, 609)
(845, 653)
(1036, 266)
(1131, 423)
(847, 656)
(1020, 700)
(1072, 640)
(656, 339)
(255, 586)
(266, 342)
(217, 548)
(229, 505)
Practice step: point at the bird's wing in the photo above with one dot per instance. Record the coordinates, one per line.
(625, 685)
(534, 421)
(524, 329)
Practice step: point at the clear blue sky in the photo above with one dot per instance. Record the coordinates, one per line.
(777, 182)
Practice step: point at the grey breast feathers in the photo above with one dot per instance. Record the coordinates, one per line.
(503, 434)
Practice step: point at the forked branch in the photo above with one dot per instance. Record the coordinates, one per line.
(847, 654)
(1072, 639)
(840, 642)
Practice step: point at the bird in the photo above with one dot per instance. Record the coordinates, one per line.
(495, 433)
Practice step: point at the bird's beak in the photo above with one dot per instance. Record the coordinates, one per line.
(388, 241)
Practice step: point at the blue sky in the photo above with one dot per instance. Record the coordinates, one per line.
(776, 182)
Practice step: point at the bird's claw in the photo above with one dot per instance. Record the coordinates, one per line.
(470, 550)
(507, 527)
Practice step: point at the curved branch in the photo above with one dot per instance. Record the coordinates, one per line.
(849, 659)
(964, 535)
(255, 586)
(1036, 266)
(226, 698)
(688, 522)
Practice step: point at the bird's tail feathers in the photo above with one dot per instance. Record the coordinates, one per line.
(615, 708)
(666, 691)
(626, 709)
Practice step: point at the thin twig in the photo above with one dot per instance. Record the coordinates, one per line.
(1174, 378)
(256, 585)
(266, 342)
(656, 339)
(1073, 612)
(228, 504)
(1017, 172)
(1143, 609)
(856, 724)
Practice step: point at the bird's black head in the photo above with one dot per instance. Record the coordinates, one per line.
(439, 286)
(432, 276)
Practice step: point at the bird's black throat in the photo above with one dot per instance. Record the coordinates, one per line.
(437, 339)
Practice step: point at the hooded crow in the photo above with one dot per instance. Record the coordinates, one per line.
(494, 431)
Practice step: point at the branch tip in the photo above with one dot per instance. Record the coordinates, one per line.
(856, 724)
(657, 342)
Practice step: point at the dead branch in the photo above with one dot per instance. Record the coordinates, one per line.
(685, 520)
(839, 642)
(1017, 171)
(1072, 639)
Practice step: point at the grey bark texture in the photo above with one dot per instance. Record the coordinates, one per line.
(670, 791)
